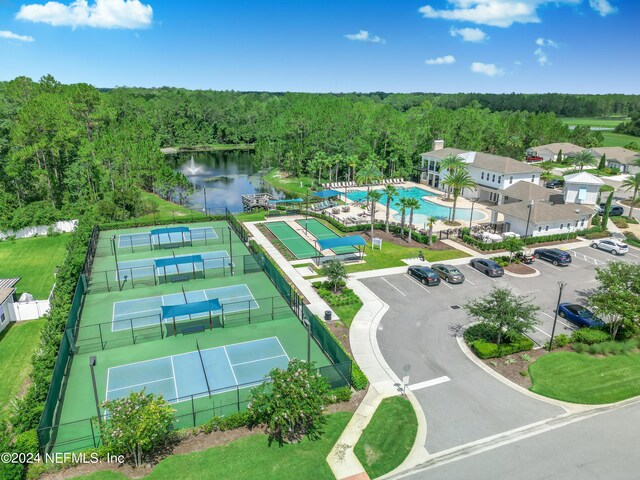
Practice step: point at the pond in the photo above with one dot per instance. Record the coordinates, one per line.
(222, 177)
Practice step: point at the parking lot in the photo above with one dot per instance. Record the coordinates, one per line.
(417, 337)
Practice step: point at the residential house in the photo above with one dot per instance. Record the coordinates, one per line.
(492, 173)
(618, 157)
(582, 188)
(549, 152)
(7, 314)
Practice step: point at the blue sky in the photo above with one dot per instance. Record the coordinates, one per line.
(573, 46)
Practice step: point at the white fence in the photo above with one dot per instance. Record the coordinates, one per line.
(62, 226)
(30, 310)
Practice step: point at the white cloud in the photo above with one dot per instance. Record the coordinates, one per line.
(128, 14)
(542, 42)
(364, 36)
(446, 60)
(542, 58)
(469, 34)
(603, 7)
(488, 69)
(497, 13)
(14, 36)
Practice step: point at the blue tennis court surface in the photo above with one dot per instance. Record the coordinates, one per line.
(178, 377)
(145, 238)
(144, 267)
(144, 312)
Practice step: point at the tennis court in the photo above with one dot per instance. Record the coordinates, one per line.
(321, 232)
(144, 312)
(180, 235)
(145, 267)
(297, 245)
(199, 372)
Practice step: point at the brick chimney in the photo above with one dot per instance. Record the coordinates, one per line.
(438, 144)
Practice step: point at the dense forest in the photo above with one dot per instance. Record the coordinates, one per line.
(68, 148)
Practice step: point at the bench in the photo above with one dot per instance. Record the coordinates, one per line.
(192, 329)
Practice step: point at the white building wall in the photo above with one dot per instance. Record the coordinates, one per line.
(6, 313)
(520, 226)
(63, 226)
(571, 191)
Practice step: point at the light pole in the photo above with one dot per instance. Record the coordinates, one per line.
(92, 364)
(530, 207)
(306, 215)
(230, 250)
(307, 324)
(206, 212)
(473, 203)
(555, 318)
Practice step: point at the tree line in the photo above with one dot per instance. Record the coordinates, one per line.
(67, 148)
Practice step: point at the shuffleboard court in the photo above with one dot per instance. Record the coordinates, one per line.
(200, 372)
(145, 266)
(146, 238)
(146, 312)
(297, 245)
(321, 232)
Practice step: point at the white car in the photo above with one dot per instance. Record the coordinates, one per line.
(611, 245)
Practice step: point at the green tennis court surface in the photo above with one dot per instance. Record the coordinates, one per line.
(291, 239)
(321, 232)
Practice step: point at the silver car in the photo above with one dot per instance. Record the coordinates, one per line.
(610, 245)
(448, 272)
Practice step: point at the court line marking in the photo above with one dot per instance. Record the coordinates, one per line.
(560, 321)
(254, 361)
(230, 365)
(416, 282)
(393, 286)
(428, 383)
(139, 384)
(175, 384)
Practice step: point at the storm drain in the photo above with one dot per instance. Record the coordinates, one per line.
(454, 307)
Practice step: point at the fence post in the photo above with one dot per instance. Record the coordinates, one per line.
(238, 395)
(249, 305)
(133, 337)
(272, 310)
(160, 324)
(193, 411)
(101, 340)
(93, 436)
(106, 277)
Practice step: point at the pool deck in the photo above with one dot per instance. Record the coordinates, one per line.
(439, 199)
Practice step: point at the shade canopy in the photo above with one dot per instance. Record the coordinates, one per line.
(290, 200)
(206, 306)
(327, 193)
(167, 262)
(168, 230)
(352, 240)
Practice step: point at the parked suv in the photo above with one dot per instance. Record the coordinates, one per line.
(610, 245)
(553, 255)
(614, 211)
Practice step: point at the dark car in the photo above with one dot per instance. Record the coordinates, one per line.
(426, 275)
(488, 267)
(449, 273)
(614, 211)
(524, 257)
(579, 315)
(554, 183)
(553, 255)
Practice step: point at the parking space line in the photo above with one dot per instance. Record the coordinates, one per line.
(549, 265)
(393, 286)
(559, 321)
(417, 283)
(542, 331)
(444, 282)
(633, 254)
(428, 383)
(480, 273)
(467, 280)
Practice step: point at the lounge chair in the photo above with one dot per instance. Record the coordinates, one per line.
(345, 208)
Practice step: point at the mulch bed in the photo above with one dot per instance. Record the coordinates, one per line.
(520, 269)
(532, 247)
(341, 332)
(396, 240)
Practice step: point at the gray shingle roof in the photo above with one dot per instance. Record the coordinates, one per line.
(544, 212)
(527, 191)
(487, 161)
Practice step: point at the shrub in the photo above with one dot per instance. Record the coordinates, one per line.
(525, 357)
(486, 350)
(342, 394)
(228, 422)
(559, 341)
(481, 331)
(27, 442)
(590, 336)
(579, 347)
(358, 378)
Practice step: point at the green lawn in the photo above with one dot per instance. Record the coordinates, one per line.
(250, 458)
(253, 216)
(612, 139)
(391, 255)
(17, 344)
(388, 438)
(292, 185)
(35, 260)
(167, 210)
(595, 122)
(582, 378)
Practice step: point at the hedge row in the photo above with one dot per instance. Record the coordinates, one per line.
(593, 232)
(166, 221)
(484, 349)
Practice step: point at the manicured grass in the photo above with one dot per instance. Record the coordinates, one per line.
(35, 260)
(167, 210)
(253, 216)
(391, 255)
(612, 139)
(388, 438)
(594, 122)
(251, 458)
(581, 378)
(292, 185)
(17, 344)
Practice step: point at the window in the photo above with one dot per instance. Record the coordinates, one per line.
(561, 226)
(499, 179)
(582, 194)
(511, 179)
(533, 178)
(582, 222)
(482, 176)
(2, 315)
(546, 228)
(494, 178)
(539, 229)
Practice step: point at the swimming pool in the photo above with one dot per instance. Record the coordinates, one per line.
(427, 209)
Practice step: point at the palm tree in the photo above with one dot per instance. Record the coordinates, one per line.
(368, 174)
(402, 208)
(320, 159)
(391, 192)
(373, 196)
(458, 181)
(632, 183)
(352, 162)
(412, 204)
(583, 158)
(431, 221)
(451, 163)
